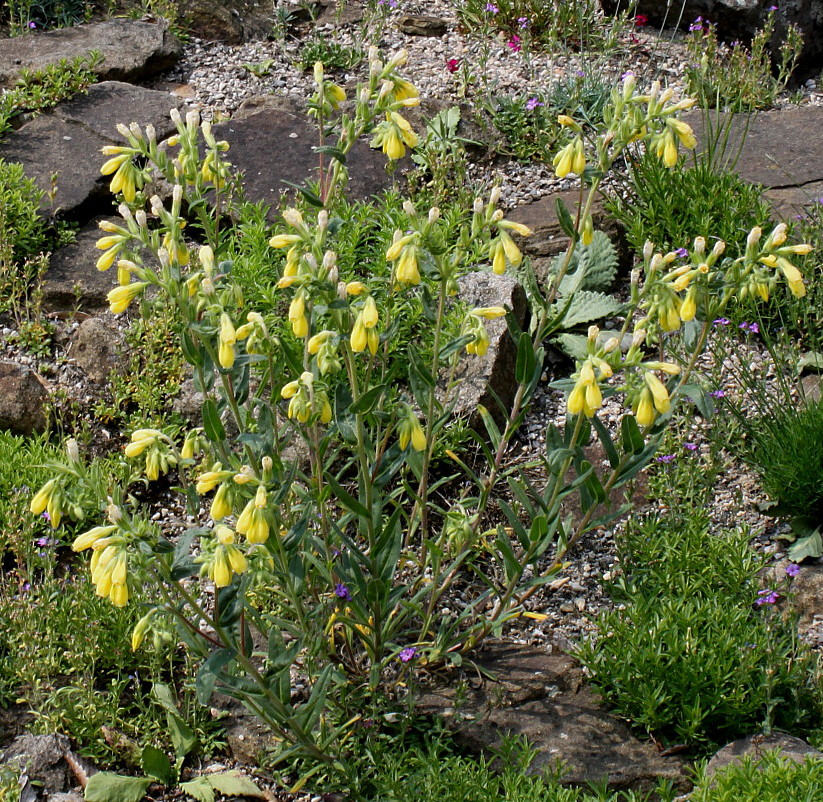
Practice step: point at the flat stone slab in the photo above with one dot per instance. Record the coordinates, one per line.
(779, 149)
(543, 696)
(271, 141)
(131, 50)
(65, 144)
(73, 280)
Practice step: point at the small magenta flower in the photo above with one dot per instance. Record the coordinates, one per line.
(667, 458)
(514, 44)
(690, 446)
(492, 8)
(792, 570)
(627, 75)
(523, 22)
(718, 393)
(682, 252)
(640, 20)
(721, 321)
(453, 65)
(407, 654)
(767, 597)
(697, 25)
(772, 8)
(342, 592)
(532, 103)
(33, 26)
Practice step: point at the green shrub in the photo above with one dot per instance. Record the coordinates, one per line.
(735, 77)
(772, 777)
(671, 207)
(691, 658)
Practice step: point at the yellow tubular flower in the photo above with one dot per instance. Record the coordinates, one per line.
(227, 339)
(498, 257)
(210, 479)
(564, 160)
(297, 316)
(660, 395)
(41, 498)
(586, 396)
(356, 288)
(489, 312)
(120, 297)
(684, 132)
(252, 521)
(511, 250)
(793, 277)
(370, 315)
(88, 539)
(688, 309)
(318, 340)
(220, 505)
(284, 240)
(644, 413)
(359, 336)
(373, 342)
(141, 439)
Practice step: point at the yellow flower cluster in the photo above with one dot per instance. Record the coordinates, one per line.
(109, 562)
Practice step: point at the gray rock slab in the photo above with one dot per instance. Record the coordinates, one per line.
(111, 102)
(755, 746)
(131, 50)
(23, 399)
(543, 696)
(271, 142)
(66, 143)
(778, 149)
(73, 280)
(51, 148)
(99, 347)
(480, 378)
(422, 25)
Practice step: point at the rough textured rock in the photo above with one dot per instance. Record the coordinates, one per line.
(72, 280)
(23, 399)
(66, 143)
(41, 757)
(131, 50)
(481, 376)
(807, 596)
(271, 141)
(755, 746)
(422, 25)
(543, 697)
(739, 19)
(231, 22)
(98, 347)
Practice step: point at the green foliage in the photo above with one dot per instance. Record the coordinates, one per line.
(38, 90)
(9, 783)
(690, 659)
(771, 776)
(529, 124)
(333, 55)
(29, 16)
(672, 206)
(735, 77)
(572, 24)
(142, 393)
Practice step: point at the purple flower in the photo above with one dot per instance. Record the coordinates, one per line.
(46, 515)
(792, 570)
(532, 103)
(772, 8)
(626, 75)
(667, 458)
(580, 73)
(342, 592)
(697, 25)
(33, 26)
(492, 8)
(523, 22)
(690, 446)
(25, 587)
(750, 327)
(718, 394)
(44, 541)
(681, 252)
(766, 597)
(514, 43)
(722, 321)
(407, 654)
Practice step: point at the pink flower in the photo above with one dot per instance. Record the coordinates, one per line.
(514, 44)
(532, 103)
(453, 65)
(640, 20)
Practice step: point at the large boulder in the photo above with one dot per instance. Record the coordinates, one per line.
(61, 150)
(99, 347)
(23, 399)
(755, 747)
(272, 143)
(131, 50)
(739, 19)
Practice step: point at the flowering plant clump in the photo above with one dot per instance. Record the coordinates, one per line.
(326, 531)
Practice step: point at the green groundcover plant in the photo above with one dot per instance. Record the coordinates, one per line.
(697, 654)
(331, 547)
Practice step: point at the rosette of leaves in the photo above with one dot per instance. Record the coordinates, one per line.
(581, 297)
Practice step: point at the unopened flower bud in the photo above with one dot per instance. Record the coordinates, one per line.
(123, 130)
(648, 250)
(175, 116)
(73, 450)
(497, 216)
(408, 208)
(635, 276)
(177, 194)
(113, 513)
(322, 219)
(329, 260)
(434, 215)
(477, 206)
(293, 218)
(207, 286)
(699, 245)
(141, 218)
(638, 338)
(267, 463)
(193, 118)
(719, 248)
(612, 344)
(494, 195)
(151, 133)
(592, 333)
(364, 95)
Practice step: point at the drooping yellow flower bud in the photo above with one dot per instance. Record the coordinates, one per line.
(227, 339)
(120, 297)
